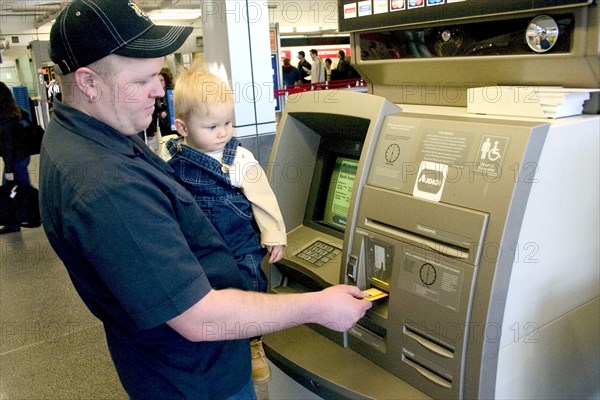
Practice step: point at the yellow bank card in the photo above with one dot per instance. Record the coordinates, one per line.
(374, 294)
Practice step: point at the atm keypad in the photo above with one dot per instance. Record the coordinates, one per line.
(318, 253)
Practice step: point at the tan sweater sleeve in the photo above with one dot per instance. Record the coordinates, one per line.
(255, 186)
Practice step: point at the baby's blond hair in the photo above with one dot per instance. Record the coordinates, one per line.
(197, 90)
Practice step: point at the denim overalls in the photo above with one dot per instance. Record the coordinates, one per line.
(224, 205)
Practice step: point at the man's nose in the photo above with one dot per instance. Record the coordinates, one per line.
(158, 90)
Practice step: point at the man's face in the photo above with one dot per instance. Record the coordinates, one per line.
(300, 57)
(126, 100)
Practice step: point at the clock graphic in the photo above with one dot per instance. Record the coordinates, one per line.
(427, 274)
(392, 153)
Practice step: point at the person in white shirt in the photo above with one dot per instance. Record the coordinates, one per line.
(317, 72)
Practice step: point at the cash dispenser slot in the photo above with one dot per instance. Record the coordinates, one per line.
(427, 371)
(429, 342)
(372, 335)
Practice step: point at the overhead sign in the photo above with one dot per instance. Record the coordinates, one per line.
(376, 14)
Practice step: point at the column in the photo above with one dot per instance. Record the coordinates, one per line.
(237, 48)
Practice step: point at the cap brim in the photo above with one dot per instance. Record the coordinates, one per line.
(158, 41)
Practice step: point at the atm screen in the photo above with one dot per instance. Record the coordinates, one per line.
(331, 187)
(341, 139)
(339, 192)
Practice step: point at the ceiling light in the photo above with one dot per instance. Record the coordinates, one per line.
(175, 14)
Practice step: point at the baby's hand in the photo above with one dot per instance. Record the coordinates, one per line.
(276, 253)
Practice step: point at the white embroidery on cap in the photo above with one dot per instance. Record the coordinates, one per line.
(138, 10)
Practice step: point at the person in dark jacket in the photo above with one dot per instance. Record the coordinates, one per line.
(161, 119)
(342, 71)
(289, 73)
(15, 161)
(303, 67)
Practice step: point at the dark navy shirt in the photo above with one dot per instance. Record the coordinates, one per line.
(139, 252)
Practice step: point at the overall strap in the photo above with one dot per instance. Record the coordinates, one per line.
(229, 153)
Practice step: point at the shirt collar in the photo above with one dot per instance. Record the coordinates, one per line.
(86, 126)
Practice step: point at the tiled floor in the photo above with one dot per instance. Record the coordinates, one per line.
(51, 347)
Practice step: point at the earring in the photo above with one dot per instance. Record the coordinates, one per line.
(91, 93)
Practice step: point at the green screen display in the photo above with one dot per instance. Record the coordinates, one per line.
(339, 192)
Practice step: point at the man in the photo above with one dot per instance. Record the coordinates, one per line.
(303, 67)
(141, 254)
(342, 70)
(317, 72)
(290, 74)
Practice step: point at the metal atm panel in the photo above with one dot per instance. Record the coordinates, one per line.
(445, 221)
(420, 274)
(440, 197)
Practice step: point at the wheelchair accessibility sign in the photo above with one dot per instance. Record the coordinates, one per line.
(491, 155)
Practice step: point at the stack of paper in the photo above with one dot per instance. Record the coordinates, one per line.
(527, 101)
(562, 102)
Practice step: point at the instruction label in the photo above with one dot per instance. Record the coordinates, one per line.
(427, 275)
(392, 160)
(444, 146)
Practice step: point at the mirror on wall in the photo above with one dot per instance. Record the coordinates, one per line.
(541, 34)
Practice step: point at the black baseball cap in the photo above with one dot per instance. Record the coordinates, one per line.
(88, 30)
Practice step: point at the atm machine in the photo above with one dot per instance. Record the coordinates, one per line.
(482, 230)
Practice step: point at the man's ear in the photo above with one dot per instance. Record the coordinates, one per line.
(181, 127)
(86, 81)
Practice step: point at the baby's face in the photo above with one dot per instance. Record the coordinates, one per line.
(210, 131)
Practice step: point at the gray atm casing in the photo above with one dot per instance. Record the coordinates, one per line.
(467, 259)
(450, 259)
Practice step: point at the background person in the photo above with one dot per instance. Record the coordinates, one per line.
(140, 252)
(317, 72)
(343, 69)
(161, 120)
(328, 69)
(13, 154)
(289, 74)
(165, 76)
(303, 67)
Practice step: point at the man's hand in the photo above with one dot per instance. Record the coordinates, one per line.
(340, 307)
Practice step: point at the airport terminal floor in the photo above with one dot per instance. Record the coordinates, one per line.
(51, 346)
